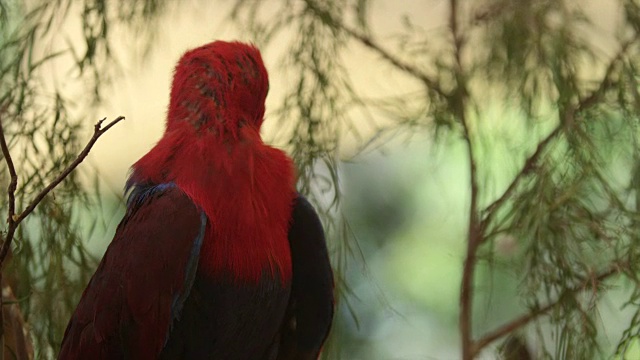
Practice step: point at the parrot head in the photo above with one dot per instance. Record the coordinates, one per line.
(219, 88)
(216, 108)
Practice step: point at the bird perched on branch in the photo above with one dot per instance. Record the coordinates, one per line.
(217, 257)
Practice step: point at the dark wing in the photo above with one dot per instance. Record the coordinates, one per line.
(128, 307)
(310, 312)
(227, 319)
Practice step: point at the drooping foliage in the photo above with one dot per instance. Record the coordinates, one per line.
(571, 154)
(569, 202)
(51, 77)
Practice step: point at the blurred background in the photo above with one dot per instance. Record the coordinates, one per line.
(361, 96)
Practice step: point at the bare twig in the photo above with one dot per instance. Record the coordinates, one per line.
(583, 104)
(15, 219)
(524, 319)
(372, 44)
(98, 131)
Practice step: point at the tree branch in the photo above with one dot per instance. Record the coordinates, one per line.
(15, 219)
(585, 103)
(13, 184)
(524, 319)
(529, 165)
(475, 232)
(369, 42)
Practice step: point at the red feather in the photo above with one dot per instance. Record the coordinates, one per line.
(212, 137)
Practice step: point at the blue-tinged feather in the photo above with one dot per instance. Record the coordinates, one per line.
(138, 193)
(190, 274)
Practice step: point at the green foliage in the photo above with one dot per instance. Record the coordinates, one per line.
(44, 118)
(313, 112)
(571, 205)
(572, 218)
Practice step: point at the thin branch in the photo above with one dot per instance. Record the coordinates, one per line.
(406, 67)
(372, 44)
(528, 167)
(13, 184)
(98, 131)
(607, 80)
(475, 232)
(15, 219)
(605, 84)
(524, 319)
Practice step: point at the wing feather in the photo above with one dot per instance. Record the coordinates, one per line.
(311, 304)
(140, 285)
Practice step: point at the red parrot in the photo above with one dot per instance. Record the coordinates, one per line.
(217, 256)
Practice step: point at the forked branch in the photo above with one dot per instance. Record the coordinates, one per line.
(14, 219)
(585, 103)
(533, 314)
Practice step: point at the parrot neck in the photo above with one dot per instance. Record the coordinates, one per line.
(245, 188)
